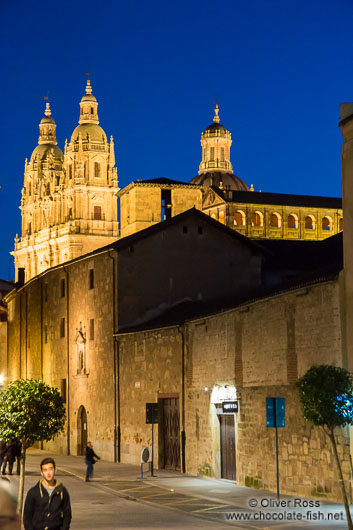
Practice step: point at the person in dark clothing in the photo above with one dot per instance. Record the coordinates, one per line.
(47, 505)
(2, 453)
(9, 457)
(90, 456)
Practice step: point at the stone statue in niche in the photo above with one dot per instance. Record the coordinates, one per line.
(80, 341)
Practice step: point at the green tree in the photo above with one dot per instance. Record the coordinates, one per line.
(30, 411)
(326, 394)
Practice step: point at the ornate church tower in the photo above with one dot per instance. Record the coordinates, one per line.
(215, 167)
(69, 202)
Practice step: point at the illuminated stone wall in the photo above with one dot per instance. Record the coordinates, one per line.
(260, 350)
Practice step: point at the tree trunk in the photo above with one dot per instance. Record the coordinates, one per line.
(22, 481)
(343, 488)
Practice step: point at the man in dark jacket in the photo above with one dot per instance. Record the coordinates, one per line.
(90, 456)
(47, 505)
(9, 457)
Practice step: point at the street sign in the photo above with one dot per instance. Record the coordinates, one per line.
(275, 412)
(275, 417)
(229, 407)
(152, 413)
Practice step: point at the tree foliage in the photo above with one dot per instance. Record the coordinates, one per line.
(30, 411)
(326, 394)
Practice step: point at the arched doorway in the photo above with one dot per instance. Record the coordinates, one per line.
(81, 430)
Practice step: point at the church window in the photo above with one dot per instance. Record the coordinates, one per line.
(326, 223)
(97, 213)
(212, 153)
(29, 189)
(275, 220)
(257, 219)
(70, 171)
(309, 222)
(70, 213)
(57, 180)
(45, 334)
(48, 188)
(341, 224)
(91, 278)
(222, 154)
(62, 287)
(91, 329)
(96, 170)
(62, 327)
(91, 110)
(239, 218)
(221, 217)
(29, 228)
(292, 221)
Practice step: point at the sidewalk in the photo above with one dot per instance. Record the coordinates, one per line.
(197, 497)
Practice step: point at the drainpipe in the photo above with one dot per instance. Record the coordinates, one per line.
(26, 337)
(116, 380)
(21, 326)
(67, 361)
(41, 331)
(181, 330)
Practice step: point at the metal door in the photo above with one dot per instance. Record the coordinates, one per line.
(227, 430)
(170, 434)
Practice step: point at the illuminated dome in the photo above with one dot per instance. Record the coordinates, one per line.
(91, 130)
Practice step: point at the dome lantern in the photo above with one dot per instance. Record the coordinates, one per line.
(215, 167)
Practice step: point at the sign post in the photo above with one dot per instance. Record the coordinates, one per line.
(152, 416)
(275, 417)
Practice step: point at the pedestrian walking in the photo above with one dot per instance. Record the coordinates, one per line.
(9, 457)
(90, 456)
(47, 505)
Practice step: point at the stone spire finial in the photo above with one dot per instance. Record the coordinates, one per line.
(88, 87)
(216, 111)
(47, 111)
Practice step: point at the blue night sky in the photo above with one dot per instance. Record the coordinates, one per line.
(278, 69)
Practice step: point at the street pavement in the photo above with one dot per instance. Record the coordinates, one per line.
(118, 498)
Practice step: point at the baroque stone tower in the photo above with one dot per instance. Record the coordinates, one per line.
(215, 167)
(69, 201)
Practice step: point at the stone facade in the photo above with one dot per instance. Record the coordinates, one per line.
(249, 349)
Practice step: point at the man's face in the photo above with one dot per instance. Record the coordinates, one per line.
(48, 472)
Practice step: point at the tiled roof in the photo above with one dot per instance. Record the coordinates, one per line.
(280, 199)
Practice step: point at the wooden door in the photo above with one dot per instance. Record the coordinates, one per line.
(81, 430)
(170, 433)
(227, 446)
